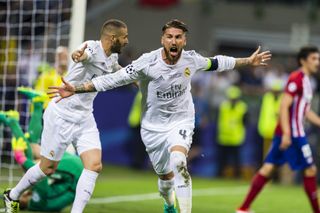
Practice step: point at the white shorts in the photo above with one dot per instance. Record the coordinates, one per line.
(158, 145)
(58, 134)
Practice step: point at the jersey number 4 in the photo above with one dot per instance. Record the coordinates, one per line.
(183, 133)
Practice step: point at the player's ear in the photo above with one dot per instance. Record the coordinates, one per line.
(113, 38)
(161, 40)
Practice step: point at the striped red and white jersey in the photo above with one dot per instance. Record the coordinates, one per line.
(299, 87)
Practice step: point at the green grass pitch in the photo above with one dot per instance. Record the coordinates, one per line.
(121, 190)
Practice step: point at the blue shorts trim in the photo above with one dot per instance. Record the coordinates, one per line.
(298, 155)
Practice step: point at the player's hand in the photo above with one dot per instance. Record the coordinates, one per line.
(64, 91)
(80, 55)
(18, 144)
(285, 141)
(260, 59)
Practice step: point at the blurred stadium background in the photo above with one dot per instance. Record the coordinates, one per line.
(31, 30)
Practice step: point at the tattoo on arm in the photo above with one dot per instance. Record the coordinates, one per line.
(242, 62)
(85, 87)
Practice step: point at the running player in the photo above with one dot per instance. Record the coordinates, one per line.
(167, 107)
(72, 121)
(290, 142)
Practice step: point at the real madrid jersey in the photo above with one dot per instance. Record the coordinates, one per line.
(98, 63)
(166, 96)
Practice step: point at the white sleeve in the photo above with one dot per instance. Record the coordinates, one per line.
(225, 62)
(202, 63)
(218, 63)
(90, 50)
(124, 76)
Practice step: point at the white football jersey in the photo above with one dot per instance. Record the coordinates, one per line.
(77, 107)
(166, 96)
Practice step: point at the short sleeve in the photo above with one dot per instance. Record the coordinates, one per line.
(294, 86)
(202, 63)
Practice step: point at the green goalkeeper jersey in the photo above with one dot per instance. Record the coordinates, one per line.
(57, 191)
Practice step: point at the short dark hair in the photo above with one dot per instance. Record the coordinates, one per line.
(175, 23)
(305, 52)
(112, 24)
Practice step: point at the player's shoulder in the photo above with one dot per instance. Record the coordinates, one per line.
(190, 53)
(92, 43)
(92, 46)
(149, 58)
(191, 56)
(295, 82)
(296, 76)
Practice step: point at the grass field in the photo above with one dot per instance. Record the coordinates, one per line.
(121, 190)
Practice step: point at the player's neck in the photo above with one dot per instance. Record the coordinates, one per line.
(305, 70)
(106, 48)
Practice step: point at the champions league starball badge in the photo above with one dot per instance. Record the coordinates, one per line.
(129, 69)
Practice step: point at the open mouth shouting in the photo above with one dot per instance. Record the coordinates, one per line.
(173, 52)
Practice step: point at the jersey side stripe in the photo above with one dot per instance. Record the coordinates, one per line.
(293, 116)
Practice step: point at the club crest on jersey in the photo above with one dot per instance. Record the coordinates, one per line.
(187, 72)
(129, 69)
(51, 153)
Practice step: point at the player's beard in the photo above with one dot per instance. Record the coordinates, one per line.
(172, 59)
(116, 47)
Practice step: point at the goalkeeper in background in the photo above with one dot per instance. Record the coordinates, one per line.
(57, 191)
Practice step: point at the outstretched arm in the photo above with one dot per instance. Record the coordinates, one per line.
(221, 63)
(256, 59)
(122, 77)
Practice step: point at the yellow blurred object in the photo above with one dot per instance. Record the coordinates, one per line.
(13, 114)
(135, 112)
(277, 86)
(27, 135)
(233, 92)
(269, 114)
(18, 145)
(47, 78)
(231, 129)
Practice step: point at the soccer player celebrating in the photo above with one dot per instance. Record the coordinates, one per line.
(72, 121)
(167, 107)
(290, 142)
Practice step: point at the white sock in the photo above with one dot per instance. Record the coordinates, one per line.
(182, 181)
(84, 190)
(166, 190)
(31, 177)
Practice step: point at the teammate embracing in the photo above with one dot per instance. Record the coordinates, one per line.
(167, 107)
(290, 142)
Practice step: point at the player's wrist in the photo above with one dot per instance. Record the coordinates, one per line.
(19, 156)
(286, 133)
